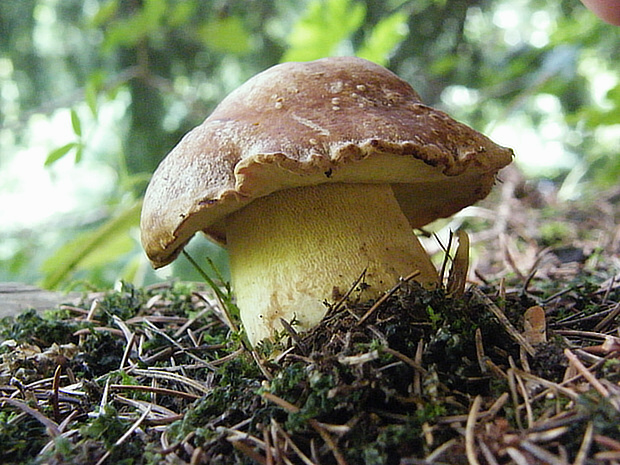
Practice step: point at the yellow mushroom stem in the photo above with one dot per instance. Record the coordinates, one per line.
(295, 249)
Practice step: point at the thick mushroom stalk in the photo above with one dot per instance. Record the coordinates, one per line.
(295, 249)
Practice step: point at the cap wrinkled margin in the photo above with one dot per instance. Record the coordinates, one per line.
(340, 119)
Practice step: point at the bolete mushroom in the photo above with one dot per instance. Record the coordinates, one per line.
(309, 174)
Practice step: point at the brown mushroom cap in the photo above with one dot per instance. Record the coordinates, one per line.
(334, 120)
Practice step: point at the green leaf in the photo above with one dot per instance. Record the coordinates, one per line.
(90, 96)
(323, 28)
(58, 153)
(386, 35)
(129, 31)
(596, 116)
(76, 123)
(153, 12)
(131, 271)
(92, 248)
(181, 13)
(106, 12)
(79, 151)
(226, 35)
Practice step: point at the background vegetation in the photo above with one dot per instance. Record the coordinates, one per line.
(94, 93)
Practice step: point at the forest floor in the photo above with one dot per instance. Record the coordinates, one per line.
(521, 366)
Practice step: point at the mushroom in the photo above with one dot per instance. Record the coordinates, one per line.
(311, 174)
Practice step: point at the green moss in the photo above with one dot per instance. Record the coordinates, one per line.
(602, 412)
(124, 304)
(101, 352)
(106, 427)
(611, 370)
(20, 436)
(32, 327)
(234, 396)
(554, 232)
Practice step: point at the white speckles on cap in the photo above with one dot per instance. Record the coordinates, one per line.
(279, 101)
(336, 87)
(311, 124)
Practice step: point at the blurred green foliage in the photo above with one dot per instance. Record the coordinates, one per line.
(135, 75)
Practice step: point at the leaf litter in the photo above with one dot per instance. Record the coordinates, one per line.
(519, 366)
